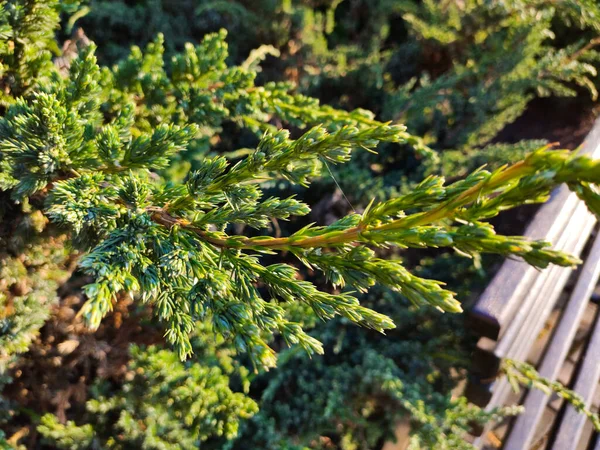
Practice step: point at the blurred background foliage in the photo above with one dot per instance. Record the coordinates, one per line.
(455, 72)
(473, 77)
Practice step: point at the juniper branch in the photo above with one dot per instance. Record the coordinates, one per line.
(166, 243)
(522, 373)
(488, 195)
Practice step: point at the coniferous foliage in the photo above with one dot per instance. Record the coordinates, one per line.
(441, 68)
(163, 404)
(365, 383)
(27, 29)
(168, 243)
(125, 164)
(480, 99)
(474, 68)
(34, 258)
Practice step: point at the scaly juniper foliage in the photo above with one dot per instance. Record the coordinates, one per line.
(117, 159)
(34, 259)
(170, 243)
(441, 68)
(366, 383)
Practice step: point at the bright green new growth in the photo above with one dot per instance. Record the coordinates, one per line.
(168, 243)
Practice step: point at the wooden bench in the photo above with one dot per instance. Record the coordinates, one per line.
(546, 318)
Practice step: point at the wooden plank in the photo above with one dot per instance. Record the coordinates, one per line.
(544, 293)
(547, 296)
(503, 297)
(521, 347)
(520, 336)
(572, 423)
(552, 286)
(540, 296)
(525, 425)
(587, 436)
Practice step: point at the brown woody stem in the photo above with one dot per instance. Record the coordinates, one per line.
(446, 210)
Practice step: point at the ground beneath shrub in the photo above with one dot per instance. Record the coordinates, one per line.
(563, 120)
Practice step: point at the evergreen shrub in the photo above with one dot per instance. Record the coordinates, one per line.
(169, 179)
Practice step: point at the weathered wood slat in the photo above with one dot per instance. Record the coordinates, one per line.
(597, 445)
(572, 423)
(539, 301)
(503, 297)
(546, 289)
(516, 305)
(545, 297)
(523, 431)
(549, 292)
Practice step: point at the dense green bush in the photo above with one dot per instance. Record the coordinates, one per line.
(163, 404)
(365, 383)
(172, 178)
